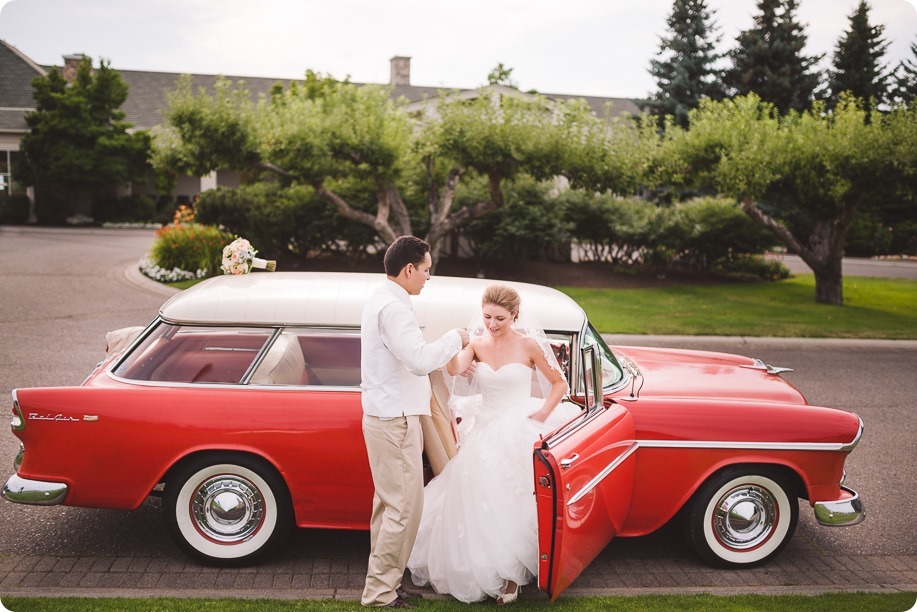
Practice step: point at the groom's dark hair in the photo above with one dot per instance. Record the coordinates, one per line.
(405, 250)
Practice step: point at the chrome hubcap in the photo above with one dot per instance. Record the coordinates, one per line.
(227, 508)
(744, 517)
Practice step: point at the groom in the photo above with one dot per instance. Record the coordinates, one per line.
(395, 361)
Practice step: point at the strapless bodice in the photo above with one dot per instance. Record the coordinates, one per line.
(503, 387)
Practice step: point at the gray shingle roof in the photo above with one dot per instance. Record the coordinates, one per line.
(147, 91)
(16, 74)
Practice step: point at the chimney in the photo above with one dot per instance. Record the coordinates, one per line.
(70, 64)
(401, 70)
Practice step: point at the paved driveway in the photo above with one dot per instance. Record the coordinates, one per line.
(63, 289)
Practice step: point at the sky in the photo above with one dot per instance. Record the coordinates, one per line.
(586, 47)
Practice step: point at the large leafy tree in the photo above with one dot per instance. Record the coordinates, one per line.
(857, 66)
(78, 144)
(804, 176)
(341, 139)
(686, 69)
(769, 62)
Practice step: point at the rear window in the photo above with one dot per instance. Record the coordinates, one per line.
(194, 354)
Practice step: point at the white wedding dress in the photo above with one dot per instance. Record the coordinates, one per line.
(479, 522)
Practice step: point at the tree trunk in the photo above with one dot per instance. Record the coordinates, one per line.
(829, 284)
(824, 254)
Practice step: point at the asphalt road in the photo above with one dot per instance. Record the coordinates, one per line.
(63, 289)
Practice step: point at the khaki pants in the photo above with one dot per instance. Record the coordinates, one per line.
(394, 448)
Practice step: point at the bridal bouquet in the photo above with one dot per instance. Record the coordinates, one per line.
(239, 258)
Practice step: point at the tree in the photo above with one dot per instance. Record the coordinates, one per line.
(905, 77)
(78, 143)
(768, 60)
(857, 65)
(804, 176)
(685, 72)
(359, 137)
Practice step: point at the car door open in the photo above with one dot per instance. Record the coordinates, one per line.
(583, 481)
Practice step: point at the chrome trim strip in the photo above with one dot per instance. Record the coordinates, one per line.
(842, 512)
(605, 472)
(238, 385)
(809, 446)
(17, 462)
(34, 492)
(856, 438)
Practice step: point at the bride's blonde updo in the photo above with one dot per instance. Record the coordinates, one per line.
(504, 297)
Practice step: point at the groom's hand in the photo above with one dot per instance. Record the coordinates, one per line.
(463, 334)
(471, 369)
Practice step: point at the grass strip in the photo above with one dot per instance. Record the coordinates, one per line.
(873, 308)
(831, 602)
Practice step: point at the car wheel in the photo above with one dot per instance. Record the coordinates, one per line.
(742, 517)
(227, 509)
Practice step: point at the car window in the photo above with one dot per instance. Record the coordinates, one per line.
(612, 372)
(194, 354)
(314, 357)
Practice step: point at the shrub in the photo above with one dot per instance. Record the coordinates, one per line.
(278, 219)
(706, 230)
(616, 230)
(868, 236)
(14, 209)
(751, 267)
(190, 247)
(530, 226)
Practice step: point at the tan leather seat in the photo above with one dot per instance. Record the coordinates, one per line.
(284, 365)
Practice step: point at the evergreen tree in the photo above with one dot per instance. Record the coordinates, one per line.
(78, 146)
(685, 71)
(905, 85)
(769, 61)
(858, 61)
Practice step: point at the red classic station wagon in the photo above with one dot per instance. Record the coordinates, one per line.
(240, 406)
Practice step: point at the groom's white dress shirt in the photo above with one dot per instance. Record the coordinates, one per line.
(395, 358)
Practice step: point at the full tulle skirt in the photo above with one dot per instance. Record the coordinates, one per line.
(479, 523)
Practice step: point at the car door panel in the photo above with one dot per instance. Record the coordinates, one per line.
(583, 484)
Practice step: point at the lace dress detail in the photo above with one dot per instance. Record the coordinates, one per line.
(479, 522)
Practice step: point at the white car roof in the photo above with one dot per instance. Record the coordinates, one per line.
(336, 299)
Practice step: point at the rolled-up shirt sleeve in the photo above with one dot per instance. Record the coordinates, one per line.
(403, 337)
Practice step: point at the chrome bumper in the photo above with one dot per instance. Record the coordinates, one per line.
(34, 492)
(842, 512)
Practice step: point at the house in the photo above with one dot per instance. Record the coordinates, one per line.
(147, 101)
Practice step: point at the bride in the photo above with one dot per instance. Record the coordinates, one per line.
(478, 533)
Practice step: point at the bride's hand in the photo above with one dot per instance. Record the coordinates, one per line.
(540, 416)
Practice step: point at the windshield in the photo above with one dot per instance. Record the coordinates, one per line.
(612, 372)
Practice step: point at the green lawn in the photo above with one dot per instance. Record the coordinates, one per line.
(834, 602)
(873, 308)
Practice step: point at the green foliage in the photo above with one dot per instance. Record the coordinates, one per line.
(857, 66)
(768, 59)
(280, 220)
(751, 267)
(905, 78)
(804, 176)
(690, 235)
(529, 227)
(705, 231)
(14, 208)
(501, 75)
(190, 247)
(78, 143)
(685, 70)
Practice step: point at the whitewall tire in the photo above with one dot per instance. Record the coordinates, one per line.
(227, 509)
(742, 517)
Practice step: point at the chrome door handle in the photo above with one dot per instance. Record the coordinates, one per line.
(565, 463)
